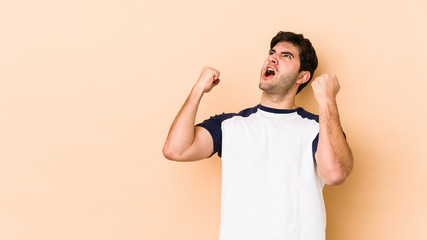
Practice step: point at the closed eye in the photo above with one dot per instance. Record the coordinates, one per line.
(287, 55)
(283, 54)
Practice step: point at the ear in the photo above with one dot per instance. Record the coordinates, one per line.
(303, 77)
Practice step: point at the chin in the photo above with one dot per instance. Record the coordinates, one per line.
(265, 83)
(261, 85)
(264, 88)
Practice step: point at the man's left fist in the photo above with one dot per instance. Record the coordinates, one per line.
(325, 87)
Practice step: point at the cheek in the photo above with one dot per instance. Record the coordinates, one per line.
(263, 66)
(290, 67)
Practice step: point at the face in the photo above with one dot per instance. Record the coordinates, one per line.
(280, 69)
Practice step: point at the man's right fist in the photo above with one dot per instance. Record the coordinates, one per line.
(209, 78)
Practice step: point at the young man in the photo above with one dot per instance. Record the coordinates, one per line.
(276, 157)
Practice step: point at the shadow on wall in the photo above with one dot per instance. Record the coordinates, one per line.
(345, 208)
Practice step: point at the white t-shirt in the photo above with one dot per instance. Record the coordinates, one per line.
(270, 186)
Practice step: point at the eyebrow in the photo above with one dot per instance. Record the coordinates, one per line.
(284, 52)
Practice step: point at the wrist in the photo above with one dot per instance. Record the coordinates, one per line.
(327, 105)
(327, 101)
(197, 90)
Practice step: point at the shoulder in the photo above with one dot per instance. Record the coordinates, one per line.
(243, 113)
(248, 111)
(307, 115)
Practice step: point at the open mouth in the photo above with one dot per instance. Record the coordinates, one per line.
(269, 72)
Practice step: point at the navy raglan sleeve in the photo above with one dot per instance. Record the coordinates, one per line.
(314, 146)
(213, 125)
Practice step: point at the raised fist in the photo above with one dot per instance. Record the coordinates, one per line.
(325, 87)
(209, 78)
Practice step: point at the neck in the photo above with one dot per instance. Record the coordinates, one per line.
(277, 101)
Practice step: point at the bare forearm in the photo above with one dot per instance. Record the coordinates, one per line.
(181, 133)
(184, 141)
(333, 155)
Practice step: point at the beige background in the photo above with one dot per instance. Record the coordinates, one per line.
(88, 90)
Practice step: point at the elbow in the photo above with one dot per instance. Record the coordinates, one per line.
(169, 153)
(335, 179)
(173, 154)
(337, 172)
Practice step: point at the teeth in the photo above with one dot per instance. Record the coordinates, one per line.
(269, 72)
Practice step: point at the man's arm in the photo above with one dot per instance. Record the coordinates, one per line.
(333, 156)
(186, 142)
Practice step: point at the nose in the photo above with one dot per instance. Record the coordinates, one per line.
(272, 58)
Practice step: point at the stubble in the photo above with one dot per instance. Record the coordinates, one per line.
(279, 86)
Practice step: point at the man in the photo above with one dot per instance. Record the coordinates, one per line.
(276, 157)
